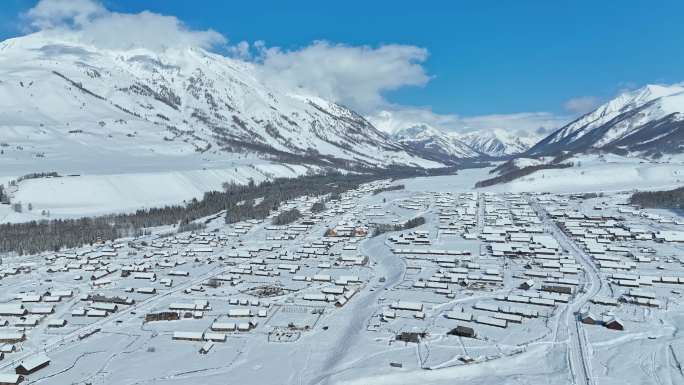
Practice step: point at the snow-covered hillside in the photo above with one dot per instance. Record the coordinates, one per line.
(90, 195)
(649, 120)
(59, 97)
(589, 173)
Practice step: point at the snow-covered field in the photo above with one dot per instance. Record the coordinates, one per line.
(88, 195)
(590, 174)
(113, 188)
(608, 173)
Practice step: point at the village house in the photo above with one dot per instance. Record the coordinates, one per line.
(32, 365)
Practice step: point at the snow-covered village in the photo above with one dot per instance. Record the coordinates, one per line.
(487, 280)
(178, 206)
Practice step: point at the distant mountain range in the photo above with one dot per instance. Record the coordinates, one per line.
(59, 98)
(498, 142)
(446, 146)
(436, 144)
(645, 122)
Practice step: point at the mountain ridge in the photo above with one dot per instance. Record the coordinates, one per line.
(648, 121)
(60, 92)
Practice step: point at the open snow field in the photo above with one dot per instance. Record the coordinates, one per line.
(99, 194)
(590, 174)
(110, 187)
(608, 173)
(263, 304)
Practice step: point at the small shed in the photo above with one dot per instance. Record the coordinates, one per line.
(586, 317)
(206, 347)
(57, 323)
(12, 337)
(188, 336)
(32, 365)
(614, 324)
(410, 336)
(462, 331)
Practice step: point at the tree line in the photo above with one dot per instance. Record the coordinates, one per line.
(382, 228)
(239, 201)
(3, 195)
(318, 206)
(271, 194)
(519, 173)
(389, 188)
(669, 199)
(286, 217)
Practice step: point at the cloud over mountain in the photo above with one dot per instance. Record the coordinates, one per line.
(88, 21)
(353, 75)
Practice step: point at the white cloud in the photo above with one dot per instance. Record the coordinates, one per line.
(525, 124)
(90, 22)
(240, 50)
(49, 14)
(582, 104)
(355, 76)
(522, 123)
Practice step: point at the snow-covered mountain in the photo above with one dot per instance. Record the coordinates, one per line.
(649, 120)
(60, 97)
(436, 144)
(426, 136)
(497, 143)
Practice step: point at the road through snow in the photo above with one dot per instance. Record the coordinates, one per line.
(579, 353)
(388, 266)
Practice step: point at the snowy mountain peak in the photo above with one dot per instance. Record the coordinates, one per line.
(646, 120)
(421, 131)
(497, 142)
(434, 143)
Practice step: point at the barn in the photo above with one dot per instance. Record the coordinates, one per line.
(614, 324)
(32, 365)
(410, 336)
(12, 337)
(462, 331)
(588, 318)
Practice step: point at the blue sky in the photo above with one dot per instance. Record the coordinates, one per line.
(484, 57)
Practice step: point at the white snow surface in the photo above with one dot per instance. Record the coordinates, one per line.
(601, 173)
(590, 173)
(89, 195)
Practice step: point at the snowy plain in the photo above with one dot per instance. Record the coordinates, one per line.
(89, 195)
(110, 187)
